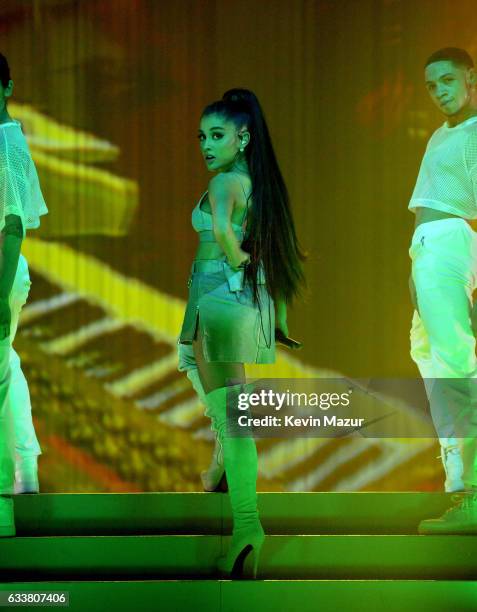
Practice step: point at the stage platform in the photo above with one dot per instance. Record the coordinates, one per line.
(157, 551)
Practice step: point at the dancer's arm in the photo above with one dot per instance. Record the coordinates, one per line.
(222, 191)
(12, 236)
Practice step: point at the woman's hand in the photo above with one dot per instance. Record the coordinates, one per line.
(244, 259)
(5, 318)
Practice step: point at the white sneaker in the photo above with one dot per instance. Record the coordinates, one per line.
(26, 475)
(454, 468)
(7, 522)
(460, 519)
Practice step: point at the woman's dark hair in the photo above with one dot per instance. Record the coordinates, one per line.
(4, 71)
(271, 232)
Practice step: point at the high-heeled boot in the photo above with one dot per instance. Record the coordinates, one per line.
(240, 459)
(213, 478)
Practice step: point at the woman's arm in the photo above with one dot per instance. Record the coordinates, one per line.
(12, 236)
(281, 314)
(222, 192)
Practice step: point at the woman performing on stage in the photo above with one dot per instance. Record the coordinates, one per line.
(247, 268)
(21, 204)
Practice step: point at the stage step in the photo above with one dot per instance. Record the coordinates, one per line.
(262, 596)
(209, 513)
(158, 551)
(325, 557)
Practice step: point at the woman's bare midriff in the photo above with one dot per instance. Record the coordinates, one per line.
(209, 250)
(425, 215)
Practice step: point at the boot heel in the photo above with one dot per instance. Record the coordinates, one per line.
(254, 558)
(222, 487)
(239, 563)
(245, 565)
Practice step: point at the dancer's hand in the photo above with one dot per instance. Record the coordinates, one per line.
(473, 318)
(5, 318)
(412, 291)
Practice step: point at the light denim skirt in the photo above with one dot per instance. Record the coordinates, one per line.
(233, 328)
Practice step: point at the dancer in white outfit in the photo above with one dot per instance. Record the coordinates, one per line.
(21, 205)
(27, 447)
(444, 275)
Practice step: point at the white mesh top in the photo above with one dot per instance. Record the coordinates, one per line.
(20, 192)
(447, 179)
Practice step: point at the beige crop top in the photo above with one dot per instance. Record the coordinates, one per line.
(203, 224)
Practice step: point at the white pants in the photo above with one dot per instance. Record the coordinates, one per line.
(17, 434)
(444, 270)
